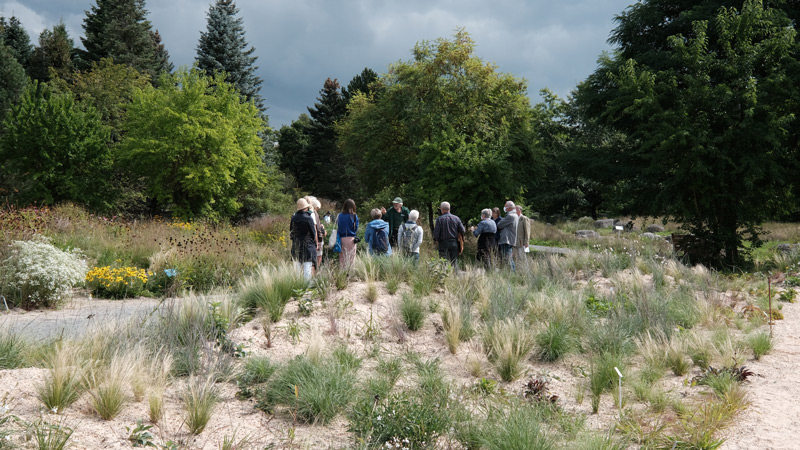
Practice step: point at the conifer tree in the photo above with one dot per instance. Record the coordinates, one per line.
(360, 83)
(119, 29)
(12, 79)
(223, 48)
(54, 51)
(161, 54)
(16, 39)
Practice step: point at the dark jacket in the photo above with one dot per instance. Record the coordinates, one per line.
(447, 227)
(303, 236)
(369, 234)
(395, 219)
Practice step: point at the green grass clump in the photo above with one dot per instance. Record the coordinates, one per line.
(603, 375)
(200, 397)
(555, 341)
(256, 371)
(270, 289)
(63, 385)
(108, 394)
(413, 311)
(507, 344)
(48, 436)
(520, 427)
(760, 343)
(316, 393)
(12, 349)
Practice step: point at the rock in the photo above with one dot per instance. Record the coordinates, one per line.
(604, 223)
(655, 228)
(586, 234)
(787, 248)
(651, 236)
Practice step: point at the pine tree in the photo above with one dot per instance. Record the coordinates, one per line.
(16, 39)
(12, 79)
(223, 47)
(54, 51)
(119, 29)
(360, 83)
(161, 54)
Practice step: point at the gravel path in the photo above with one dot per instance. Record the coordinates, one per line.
(772, 421)
(76, 317)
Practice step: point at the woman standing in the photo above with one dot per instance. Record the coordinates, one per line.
(347, 227)
(485, 232)
(319, 228)
(303, 235)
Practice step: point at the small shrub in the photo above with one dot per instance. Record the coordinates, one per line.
(760, 343)
(199, 399)
(305, 306)
(413, 312)
(116, 282)
(789, 296)
(555, 341)
(140, 435)
(507, 344)
(39, 274)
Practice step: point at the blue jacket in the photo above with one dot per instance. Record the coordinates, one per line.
(369, 234)
(347, 225)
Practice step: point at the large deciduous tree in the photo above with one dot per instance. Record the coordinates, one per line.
(55, 149)
(195, 141)
(119, 29)
(446, 126)
(223, 48)
(709, 112)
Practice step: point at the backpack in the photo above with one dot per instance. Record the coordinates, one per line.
(408, 238)
(381, 242)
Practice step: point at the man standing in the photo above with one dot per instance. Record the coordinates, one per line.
(523, 236)
(446, 232)
(396, 217)
(508, 233)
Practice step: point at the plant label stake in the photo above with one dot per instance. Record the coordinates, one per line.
(620, 391)
(4, 301)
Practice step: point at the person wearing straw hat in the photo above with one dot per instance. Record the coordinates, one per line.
(303, 236)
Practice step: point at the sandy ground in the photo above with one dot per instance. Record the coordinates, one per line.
(773, 419)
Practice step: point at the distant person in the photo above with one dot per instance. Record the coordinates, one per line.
(409, 237)
(347, 228)
(319, 228)
(377, 235)
(446, 233)
(523, 236)
(508, 233)
(303, 237)
(395, 217)
(327, 217)
(496, 215)
(486, 232)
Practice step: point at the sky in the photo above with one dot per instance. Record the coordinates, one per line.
(300, 43)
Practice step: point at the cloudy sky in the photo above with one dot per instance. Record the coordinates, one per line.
(300, 43)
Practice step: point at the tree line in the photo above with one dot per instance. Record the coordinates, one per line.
(691, 117)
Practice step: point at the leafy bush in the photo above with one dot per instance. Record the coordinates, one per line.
(116, 282)
(39, 274)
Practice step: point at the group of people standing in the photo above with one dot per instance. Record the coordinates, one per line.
(499, 238)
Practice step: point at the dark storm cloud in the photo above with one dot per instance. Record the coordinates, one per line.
(300, 43)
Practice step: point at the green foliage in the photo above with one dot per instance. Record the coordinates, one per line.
(12, 348)
(140, 435)
(223, 49)
(199, 399)
(12, 79)
(55, 149)
(119, 29)
(603, 376)
(14, 36)
(316, 393)
(413, 311)
(704, 101)
(555, 341)
(256, 371)
(760, 343)
(444, 122)
(48, 436)
(507, 344)
(53, 56)
(518, 428)
(271, 289)
(196, 143)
